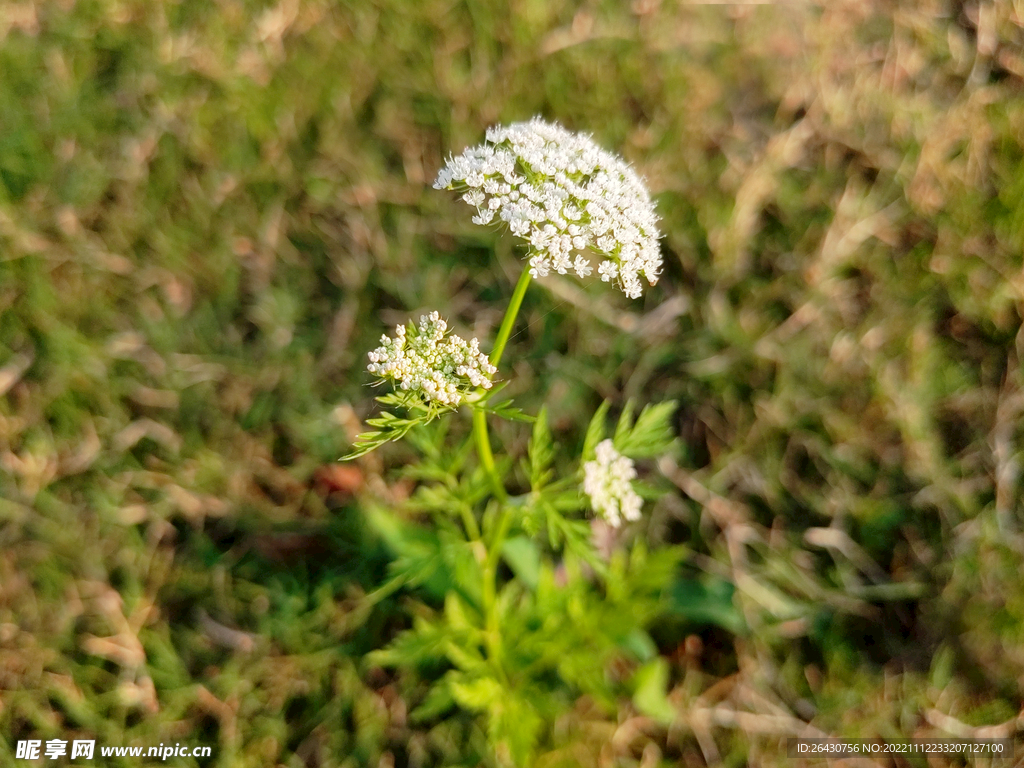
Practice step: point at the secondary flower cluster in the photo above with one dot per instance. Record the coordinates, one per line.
(563, 194)
(444, 369)
(606, 480)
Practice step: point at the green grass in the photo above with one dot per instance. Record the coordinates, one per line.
(209, 212)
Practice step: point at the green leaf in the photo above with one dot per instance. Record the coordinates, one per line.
(651, 570)
(523, 558)
(650, 435)
(456, 612)
(479, 695)
(639, 643)
(516, 724)
(943, 666)
(569, 500)
(366, 442)
(708, 600)
(461, 565)
(574, 537)
(488, 395)
(625, 424)
(649, 697)
(541, 451)
(438, 700)
(419, 551)
(437, 498)
(595, 431)
(402, 398)
(506, 410)
(467, 658)
(430, 442)
(424, 642)
(391, 428)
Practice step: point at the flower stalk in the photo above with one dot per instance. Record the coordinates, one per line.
(505, 330)
(492, 634)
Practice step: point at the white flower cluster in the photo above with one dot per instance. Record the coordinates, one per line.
(444, 369)
(563, 194)
(606, 480)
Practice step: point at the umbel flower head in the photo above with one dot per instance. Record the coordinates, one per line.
(606, 480)
(564, 195)
(445, 370)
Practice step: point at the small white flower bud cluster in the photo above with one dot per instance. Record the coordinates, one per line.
(606, 480)
(444, 369)
(563, 194)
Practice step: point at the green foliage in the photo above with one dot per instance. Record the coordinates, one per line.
(651, 683)
(706, 601)
(517, 652)
(524, 557)
(394, 427)
(503, 409)
(595, 431)
(541, 452)
(652, 433)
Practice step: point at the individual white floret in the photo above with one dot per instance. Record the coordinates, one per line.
(582, 266)
(445, 370)
(563, 194)
(606, 480)
(540, 266)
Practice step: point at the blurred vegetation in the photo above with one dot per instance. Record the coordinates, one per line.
(210, 211)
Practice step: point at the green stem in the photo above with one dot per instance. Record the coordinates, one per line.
(492, 634)
(472, 529)
(483, 441)
(510, 318)
(483, 449)
(499, 537)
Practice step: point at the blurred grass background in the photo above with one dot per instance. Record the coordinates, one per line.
(209, 211)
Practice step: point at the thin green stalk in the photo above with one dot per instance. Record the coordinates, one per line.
(499, 537)
(483, 449)
(492, 629)
(472, 529)
(483, 441)
(510, 318)
(492, 635)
